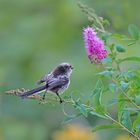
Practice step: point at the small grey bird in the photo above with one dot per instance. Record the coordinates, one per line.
(57, 81)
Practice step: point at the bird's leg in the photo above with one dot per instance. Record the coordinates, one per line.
(61, 101)
(43, 97)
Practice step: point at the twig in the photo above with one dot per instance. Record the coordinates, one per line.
(124, 93)
(122, 126)
(126, 129)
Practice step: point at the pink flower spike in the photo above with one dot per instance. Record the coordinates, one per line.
(95, 47)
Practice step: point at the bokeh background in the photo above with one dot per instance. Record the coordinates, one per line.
(35, 36)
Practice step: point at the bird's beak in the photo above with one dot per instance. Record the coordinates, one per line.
(72, 67)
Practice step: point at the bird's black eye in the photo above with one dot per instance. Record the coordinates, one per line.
(71, 67)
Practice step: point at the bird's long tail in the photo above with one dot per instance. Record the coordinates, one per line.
(33, 91)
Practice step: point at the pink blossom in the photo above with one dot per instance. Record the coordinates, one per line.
(95, 47)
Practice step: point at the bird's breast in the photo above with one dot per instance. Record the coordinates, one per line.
(63, 88)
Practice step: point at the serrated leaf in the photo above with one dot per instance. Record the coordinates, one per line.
(120, 48)
(107, 126)
(133, 31)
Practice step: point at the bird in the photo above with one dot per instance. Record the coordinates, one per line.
(57, 81)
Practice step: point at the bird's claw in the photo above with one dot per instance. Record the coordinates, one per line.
(61, 101)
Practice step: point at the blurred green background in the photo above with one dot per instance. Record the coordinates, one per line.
(35, 36)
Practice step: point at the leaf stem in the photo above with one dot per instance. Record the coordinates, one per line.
(124, 93)
(129, 99)
(126, 129)
(118, 123)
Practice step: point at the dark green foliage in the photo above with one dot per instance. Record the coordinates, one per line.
(108, 126)
(120, 48)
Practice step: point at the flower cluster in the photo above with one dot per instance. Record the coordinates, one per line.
(94, 46)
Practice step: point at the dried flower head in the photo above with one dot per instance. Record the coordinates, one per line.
(95, 47)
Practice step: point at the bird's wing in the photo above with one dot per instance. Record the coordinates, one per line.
(44, 79)
(58, 82)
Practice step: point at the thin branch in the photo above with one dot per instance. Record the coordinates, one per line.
(126, 129)
(131, 101)
(121, 125)
(124, 93)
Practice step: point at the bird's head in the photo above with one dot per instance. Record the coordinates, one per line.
(63, 69)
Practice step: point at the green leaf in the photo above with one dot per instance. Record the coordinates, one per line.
(113, 87)
(83, 109)
(131, 43)
(126, 120)
(136, 124)
(98, 115)
(137, 99)
(97, 98)
(120, 48)
(123, 114)
(106, 73)
(132, 109)
(70, 118)
(107, 126)
(134, 58)
(124, 85)
(98, 88)
(133, 31)
(112, 46)
(107, 60)
(112, 102)
(101, 109)
(105, 36)
(120, 36)
(106, 22)
(128, 74)
(121, 106)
